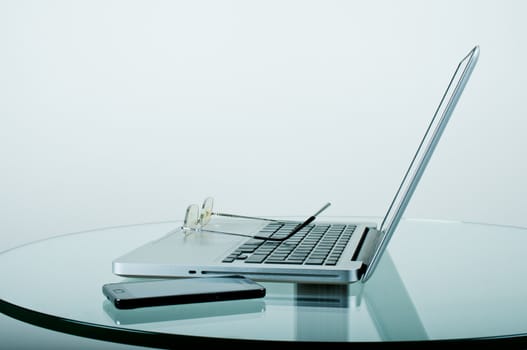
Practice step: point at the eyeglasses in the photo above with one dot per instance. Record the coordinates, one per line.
(197, 218)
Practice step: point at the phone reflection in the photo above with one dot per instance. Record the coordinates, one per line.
(183, 311)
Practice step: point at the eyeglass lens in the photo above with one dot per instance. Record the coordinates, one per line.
(206, 211)
(192, 217)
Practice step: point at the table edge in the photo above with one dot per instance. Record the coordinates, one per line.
(136, 337)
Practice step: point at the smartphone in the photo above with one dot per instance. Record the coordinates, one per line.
(135, 294)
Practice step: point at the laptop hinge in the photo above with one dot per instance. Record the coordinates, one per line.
(367, 247)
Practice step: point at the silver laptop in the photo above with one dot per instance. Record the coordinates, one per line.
(320, 252)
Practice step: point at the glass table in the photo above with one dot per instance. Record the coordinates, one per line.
(440, 282)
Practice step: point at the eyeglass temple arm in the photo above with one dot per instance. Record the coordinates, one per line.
(248, 217)
(245, 235)
(303, 224)
(308, 221)
(298, 227)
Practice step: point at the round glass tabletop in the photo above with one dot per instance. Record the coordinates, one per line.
(438, 281)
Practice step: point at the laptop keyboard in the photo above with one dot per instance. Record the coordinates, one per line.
(320, 244)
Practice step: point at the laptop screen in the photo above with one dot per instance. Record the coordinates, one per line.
(425, 150)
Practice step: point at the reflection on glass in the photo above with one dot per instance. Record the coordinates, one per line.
(183, 312)
(390, 309)
(390, 306)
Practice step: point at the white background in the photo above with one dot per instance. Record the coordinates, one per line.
(120, 112)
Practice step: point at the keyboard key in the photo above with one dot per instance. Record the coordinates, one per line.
(256, 258)
(314, 261)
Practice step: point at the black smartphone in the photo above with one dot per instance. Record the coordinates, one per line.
(135, 294)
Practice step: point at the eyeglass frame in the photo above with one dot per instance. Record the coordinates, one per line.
(206, 213)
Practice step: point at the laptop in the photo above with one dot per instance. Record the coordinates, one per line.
(321, 252)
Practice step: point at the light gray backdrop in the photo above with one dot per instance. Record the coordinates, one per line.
(120, 112)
